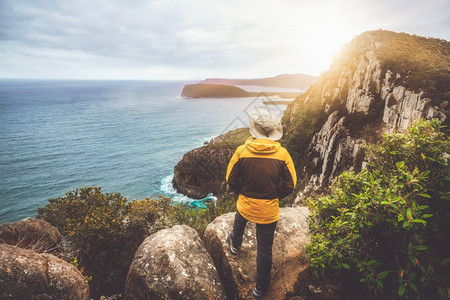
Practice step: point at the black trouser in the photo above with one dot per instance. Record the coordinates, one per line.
(264, 239)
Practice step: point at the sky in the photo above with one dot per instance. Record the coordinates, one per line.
(193, 40)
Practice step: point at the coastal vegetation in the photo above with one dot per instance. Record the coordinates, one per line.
(103, 230)
(300, 124)
(301, 127)
(230, 139)
(384, 230)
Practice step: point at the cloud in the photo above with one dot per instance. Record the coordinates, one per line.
(192, 39)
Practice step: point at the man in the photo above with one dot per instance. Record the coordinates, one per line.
(262, 173)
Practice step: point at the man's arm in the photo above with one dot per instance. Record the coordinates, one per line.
(288, 178)
(233, 176)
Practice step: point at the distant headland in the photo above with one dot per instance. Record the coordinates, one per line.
(203, 90)
(298, 81)
(229, 88)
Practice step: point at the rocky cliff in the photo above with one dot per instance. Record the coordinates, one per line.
(380, 81)
(202, 171)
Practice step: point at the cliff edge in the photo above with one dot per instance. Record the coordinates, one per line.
(380, 81)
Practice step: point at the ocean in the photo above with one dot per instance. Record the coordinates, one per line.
(125, 136)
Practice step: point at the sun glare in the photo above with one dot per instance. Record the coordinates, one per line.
(320, 30)
(326, 39)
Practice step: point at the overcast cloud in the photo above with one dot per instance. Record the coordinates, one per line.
(183, 39)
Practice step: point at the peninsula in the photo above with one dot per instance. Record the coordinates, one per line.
(204, 90)
(282, 86)
(298, 81)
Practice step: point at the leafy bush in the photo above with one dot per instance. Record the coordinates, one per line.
(231, 139)
(387, 227)
(105, 230)
(301, 125)
(198, 219)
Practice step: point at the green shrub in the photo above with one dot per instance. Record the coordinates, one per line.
(198, 219)
(307, 120)
(387, 227)
(231, 139)
(105, 231)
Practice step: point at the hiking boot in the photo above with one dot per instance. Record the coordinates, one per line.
(234, 250)
(257, 292)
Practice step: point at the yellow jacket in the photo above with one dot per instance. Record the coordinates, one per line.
(262, 172)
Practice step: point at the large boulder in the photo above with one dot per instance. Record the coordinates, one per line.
(30, 233)
(25, 274)
(173, 264)
(238, 272)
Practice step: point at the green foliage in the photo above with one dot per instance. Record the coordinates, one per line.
(387, 227)
(75, 263)
(147, 216)
(303, 124)
(231, 139)
(198, 219)
(302, 119)
(105, 231)
(423, 63)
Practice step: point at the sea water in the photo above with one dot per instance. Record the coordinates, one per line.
(125, 136)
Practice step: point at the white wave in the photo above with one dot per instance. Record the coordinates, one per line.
(168, 190)
(166, 185)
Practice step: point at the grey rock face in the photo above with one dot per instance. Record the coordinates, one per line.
(202, 171)
(30, 233)
(173, 264)
(362, 101)
(25, 274)
(238, 272)
(334, 150)
(402, 107)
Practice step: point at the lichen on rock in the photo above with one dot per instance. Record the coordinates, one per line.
(25, 274)
(173, 264)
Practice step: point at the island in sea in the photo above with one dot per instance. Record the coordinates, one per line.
(281, 86)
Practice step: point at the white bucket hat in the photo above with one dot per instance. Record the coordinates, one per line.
(265, 126)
